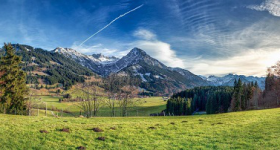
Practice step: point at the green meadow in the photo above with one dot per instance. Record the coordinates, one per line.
(144, 107)
(257, 129)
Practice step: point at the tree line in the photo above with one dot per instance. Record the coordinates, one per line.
(209, 99)
(244, 96)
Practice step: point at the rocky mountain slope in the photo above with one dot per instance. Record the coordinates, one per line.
(155, 77)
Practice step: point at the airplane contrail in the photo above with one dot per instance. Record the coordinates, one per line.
(111, 23)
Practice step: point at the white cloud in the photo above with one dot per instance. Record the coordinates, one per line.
(248, 63)
(144, 34)
(156, 48)
(272, 6)
(161, 51)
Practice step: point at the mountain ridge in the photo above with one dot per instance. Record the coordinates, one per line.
(155, 76)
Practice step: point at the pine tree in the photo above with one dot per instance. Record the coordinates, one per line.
(244, 96)
(237, 96)
(256, 84)
(209, 105)
(188, 106)
(14, 78)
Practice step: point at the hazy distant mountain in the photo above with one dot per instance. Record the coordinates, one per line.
(228, 80)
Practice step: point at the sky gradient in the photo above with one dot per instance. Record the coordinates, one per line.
(207, 37)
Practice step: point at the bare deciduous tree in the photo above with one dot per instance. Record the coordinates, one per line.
(128, 97)
(92, 99)
(32, 101)
(112, 86)
(122, 92)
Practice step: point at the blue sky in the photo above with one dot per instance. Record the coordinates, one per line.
(206, 36)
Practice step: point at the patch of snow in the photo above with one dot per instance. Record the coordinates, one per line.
(148, 74)
(158, 76)
(142, 77)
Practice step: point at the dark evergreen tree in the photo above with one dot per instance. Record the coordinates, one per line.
(237, 96)
(14, 79)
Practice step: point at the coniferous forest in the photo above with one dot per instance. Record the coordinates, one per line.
(214, 99)
(209, 99)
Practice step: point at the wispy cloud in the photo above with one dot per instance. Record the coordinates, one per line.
(221, 43)
(272, 6)
(247, 51)
(144, 34)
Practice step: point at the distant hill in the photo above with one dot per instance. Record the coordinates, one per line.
(45, 67)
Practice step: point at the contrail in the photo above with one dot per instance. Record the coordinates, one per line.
(111, 23)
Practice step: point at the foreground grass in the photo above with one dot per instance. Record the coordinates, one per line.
(242, 130)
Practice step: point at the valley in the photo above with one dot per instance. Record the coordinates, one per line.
(144, 107)
(139, 75)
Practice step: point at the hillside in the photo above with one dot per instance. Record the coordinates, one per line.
(47, 68)
(248, 130)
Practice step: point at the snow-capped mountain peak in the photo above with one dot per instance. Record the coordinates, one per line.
(68, 52)
(96, 58)
(137, 52)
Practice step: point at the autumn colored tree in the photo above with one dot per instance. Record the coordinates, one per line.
(272, 86)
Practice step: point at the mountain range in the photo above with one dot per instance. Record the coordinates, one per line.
(228, 80)
(141, 64)
(155, 77)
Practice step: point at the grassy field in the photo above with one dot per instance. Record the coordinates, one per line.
(241, 130)
(144, 108)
